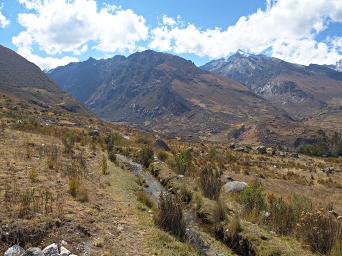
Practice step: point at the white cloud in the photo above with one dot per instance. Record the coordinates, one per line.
(46, 63)
(24, 41)
(59, 26)
(4, 22)
(169, 21)
(287, 27)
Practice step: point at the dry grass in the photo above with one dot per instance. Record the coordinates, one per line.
(170, 215)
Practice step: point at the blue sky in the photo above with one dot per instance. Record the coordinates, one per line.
(55, 32)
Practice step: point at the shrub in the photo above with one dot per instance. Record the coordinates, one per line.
(170, 216)
(235, 226)
(252, 198)
(282, 217)
(68, 142)
(112, 156)
(77, 190)
(33, 175)
(112, 140)
(146, 156)
(162, 155)
(145, 199)
(183, 161)
(210, 182)
(231, 156)
(104, 165)
(52, 157)
(220, 210)
(144, 139)
(320, 231)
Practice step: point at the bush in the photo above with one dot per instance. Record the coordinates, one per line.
(68, 142)
(145, 199)
(282, 217)
(210, 182)
(52, 157)
(77, 190)
(235, 226)
(33, 175)
(162, 155)
(144, 140)
(104, 165)
(112, 156)
(220, 210)
(146, 156)
(252, 198)
(322, 232)
(183, 161)
(170, 215)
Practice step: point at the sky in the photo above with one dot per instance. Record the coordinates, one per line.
(52, 33)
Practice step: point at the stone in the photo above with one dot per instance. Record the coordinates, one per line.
(51, 250)
(15, 250)
(234, 186)
(34, 251)
(295, 155)
(64, 251)
(261, 150)
(282, 153)
(232, 145)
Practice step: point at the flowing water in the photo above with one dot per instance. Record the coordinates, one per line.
(194, 236)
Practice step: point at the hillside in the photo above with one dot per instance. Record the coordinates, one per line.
(24, 82)
(164, 93)
(302, 91)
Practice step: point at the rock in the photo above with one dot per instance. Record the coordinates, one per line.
(261, 149)
(328, 170)
(232, 145)
(51, 250)
(270, 151)
(282, 153)
(234, 186)
(160, 144)
(95, 133)
(15, 250)
(295, 155)
(64, 252)
(34, 251)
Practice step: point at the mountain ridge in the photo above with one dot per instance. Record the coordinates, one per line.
(164, 92)
(302, 91)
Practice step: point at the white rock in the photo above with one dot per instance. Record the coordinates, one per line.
(64, 252)
(51, 250)
(15, 250)
(234, 186)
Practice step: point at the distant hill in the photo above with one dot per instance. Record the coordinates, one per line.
(164, 92)
(302, 91)
(24, 81)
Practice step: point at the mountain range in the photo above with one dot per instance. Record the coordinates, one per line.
(302, 91)
(244, 97)
(165, 93)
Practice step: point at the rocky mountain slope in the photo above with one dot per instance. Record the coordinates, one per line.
(303, 91)
(164, 92)
(25, 82)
